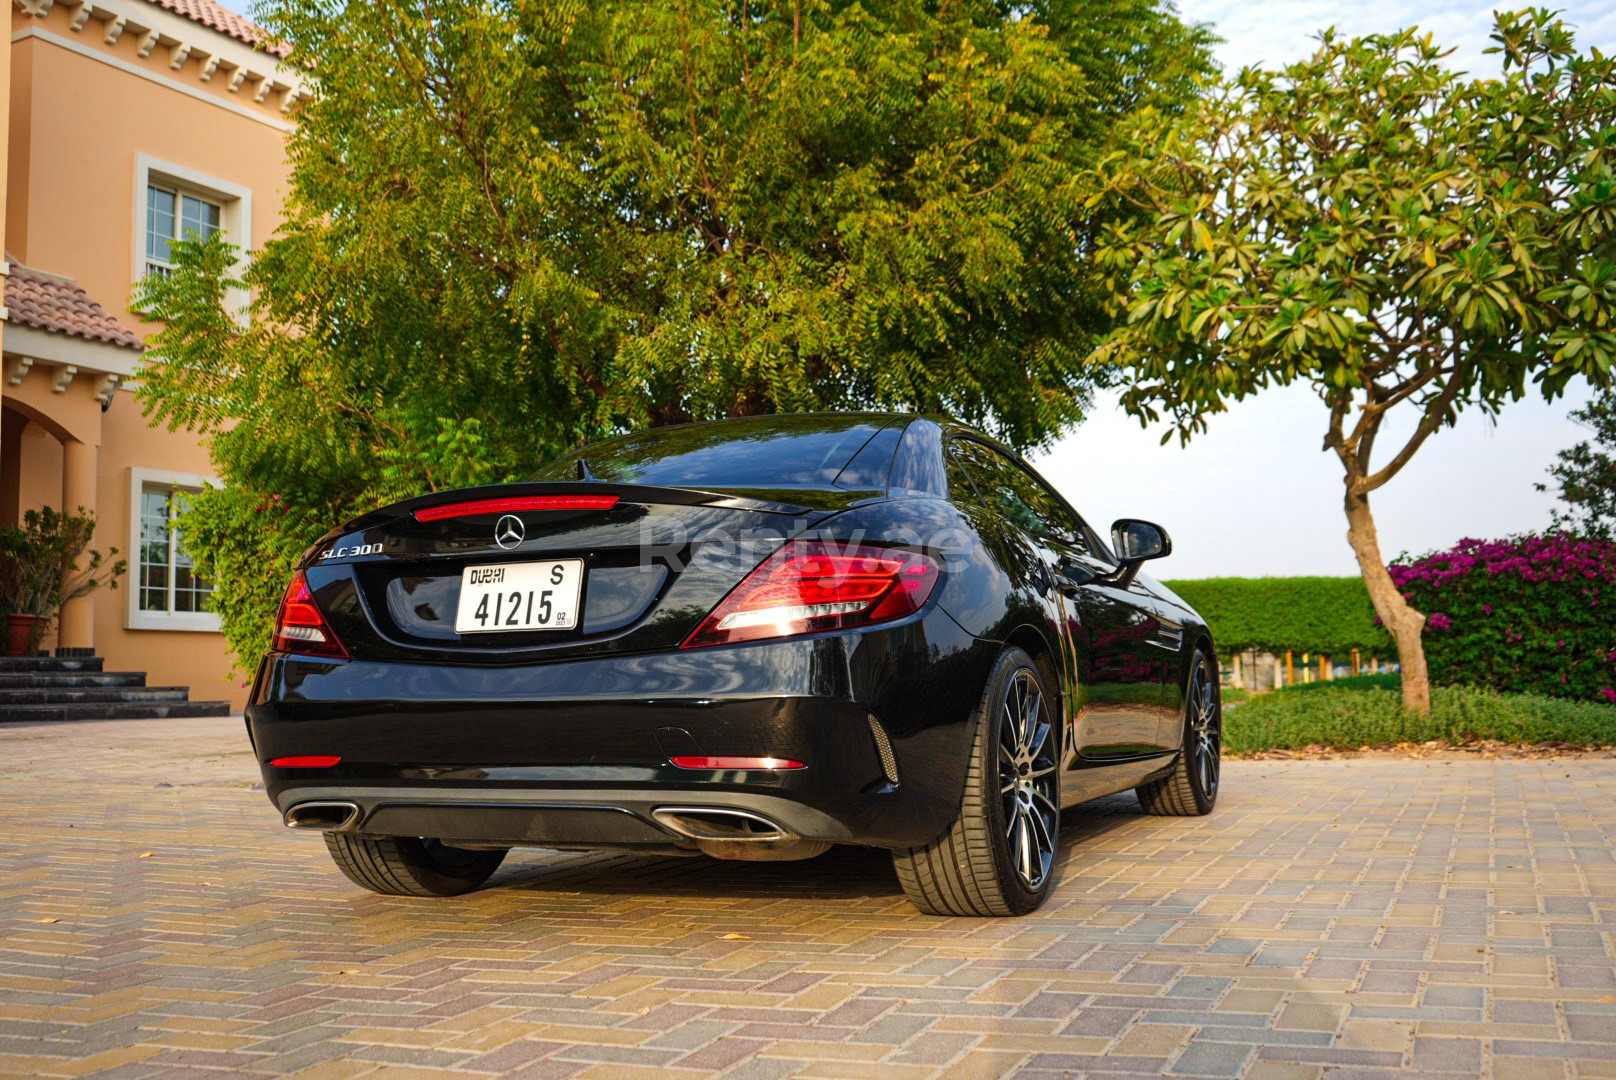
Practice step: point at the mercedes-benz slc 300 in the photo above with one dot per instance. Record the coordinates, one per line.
(749, 639)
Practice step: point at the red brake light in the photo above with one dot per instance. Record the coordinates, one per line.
(516, 504)
(736, 763)
(301, 628)
(809, 586)
(306, 761)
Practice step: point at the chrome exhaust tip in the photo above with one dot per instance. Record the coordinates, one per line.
(324, 816)
(737, 834)
(715, 823)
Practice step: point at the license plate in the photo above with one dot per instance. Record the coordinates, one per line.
(519, 596)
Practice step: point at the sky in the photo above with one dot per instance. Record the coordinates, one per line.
(1256, 495)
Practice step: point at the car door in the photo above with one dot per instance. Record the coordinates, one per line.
(1000, 512)
(1117, 712)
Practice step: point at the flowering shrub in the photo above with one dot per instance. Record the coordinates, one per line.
(1528, 613)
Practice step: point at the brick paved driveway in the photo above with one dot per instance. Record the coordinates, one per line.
(1350, 917)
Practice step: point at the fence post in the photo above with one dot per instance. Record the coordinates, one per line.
(1326, 669)
(1290, 669)
(1355, 665)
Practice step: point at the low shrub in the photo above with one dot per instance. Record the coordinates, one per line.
(1330, 615)
(1531, 614)
(1347, 719)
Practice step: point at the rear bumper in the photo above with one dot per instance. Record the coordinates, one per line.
(576, 753)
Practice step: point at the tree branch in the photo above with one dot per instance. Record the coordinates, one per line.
(1434, 414)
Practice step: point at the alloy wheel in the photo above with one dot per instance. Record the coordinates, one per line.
(1027, 780)
(1206, 731)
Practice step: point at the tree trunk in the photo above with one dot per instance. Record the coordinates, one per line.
(1396, 614)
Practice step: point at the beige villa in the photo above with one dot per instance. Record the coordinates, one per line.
(128, 123)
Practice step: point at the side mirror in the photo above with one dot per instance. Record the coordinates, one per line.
(1135, 542)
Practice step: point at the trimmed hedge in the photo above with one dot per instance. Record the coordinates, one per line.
(1392, 681)
(1330, 615)
(1530, 613)
(1348, 719)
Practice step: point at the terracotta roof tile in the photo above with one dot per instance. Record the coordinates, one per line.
(60, 305)
(218, 17)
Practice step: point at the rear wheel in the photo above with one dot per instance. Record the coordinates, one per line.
(998, 856)
(1191, 789)
(409, 865)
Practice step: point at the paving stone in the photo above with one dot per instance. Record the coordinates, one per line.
(1212, 1059)
(1329, 917)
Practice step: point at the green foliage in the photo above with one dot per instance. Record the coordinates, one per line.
(39, 562)
(1330, 615)
(1585, 476)
(1349, 719)
(1531, 613)
(246, 550)
(1369, 220)
(514, 226)
(1380, 227)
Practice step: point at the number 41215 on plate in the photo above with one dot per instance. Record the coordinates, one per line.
(519, 596)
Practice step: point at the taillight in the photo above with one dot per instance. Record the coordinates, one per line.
(514, 504)
(300, 628)
(306, 761)
(810, 586)
(770, 764)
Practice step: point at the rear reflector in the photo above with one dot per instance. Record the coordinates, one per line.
(736, 763)
(306, 761)
(300, 628)
(516, 504)
(810, 586)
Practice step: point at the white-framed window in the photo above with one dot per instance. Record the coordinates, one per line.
(166, 592)
(173, 202)
(173, 213)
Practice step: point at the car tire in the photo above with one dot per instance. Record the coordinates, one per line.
(1191, 789)
(409, 865)
(997, 858)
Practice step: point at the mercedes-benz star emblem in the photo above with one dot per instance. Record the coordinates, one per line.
(509, 531)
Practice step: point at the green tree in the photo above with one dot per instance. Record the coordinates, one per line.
(1402, 238)
(1585, 475)
(514, 225)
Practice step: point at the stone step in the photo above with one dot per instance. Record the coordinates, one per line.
(10, 664)
(68, 695)
(110, 710)
(39, 679)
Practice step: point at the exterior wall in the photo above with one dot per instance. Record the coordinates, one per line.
(87, 116)
(197, 659)
(41, 483)
(88, 121)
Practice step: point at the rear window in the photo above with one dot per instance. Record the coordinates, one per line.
(753, 452)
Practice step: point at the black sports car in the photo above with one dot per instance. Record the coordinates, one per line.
(749, 638)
